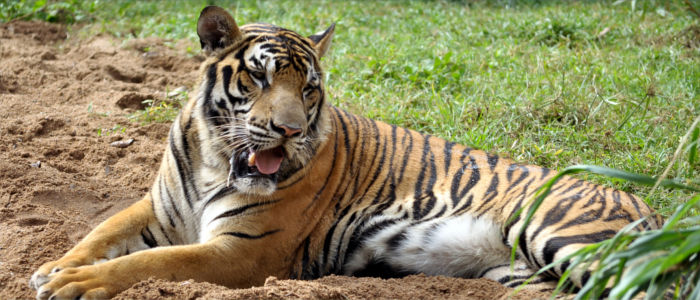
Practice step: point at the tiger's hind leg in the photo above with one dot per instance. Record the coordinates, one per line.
(519, 273)
(456, 246)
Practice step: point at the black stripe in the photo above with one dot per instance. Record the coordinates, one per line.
(545, 172)
(239, 210)
(491, 192)
(391, 197)
(557, 213)
(406, 153)
(167, 211)
(329, 234)
(394, 241)
(379, 194)
(418, 187)
(464, 206)
(379, 168)
(211, 82)
(616, 212)
(577, 183)
(553, 245)
(148, 238)
(220, 194)
(165, 234)
(360, 236)
(587, 216)
(227, 72)
(491, 268)
(492, 160)
(181, 168)
(347, 229)
(448, 155)
(325, 253)
(305, 260)
(506, 279)
(455, 193)
(170, 197)
(360, 126)
(330, 172)
(251, 236)
(525, 173)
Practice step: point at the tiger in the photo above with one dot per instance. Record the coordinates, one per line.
(263, 176)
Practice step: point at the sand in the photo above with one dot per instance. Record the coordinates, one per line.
(63, 101)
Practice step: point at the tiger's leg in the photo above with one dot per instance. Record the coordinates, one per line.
(133, 229)
(570, 219)
(456, 246)
(212, 262)
(518, 273)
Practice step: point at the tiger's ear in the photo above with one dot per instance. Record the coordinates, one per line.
(216, 29)
(322, 40)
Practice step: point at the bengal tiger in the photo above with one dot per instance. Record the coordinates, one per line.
(262, 176)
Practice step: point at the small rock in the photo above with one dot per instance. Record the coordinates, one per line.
(48, 56)
(133, 101)
(108, 169)
(36, 164)
(271, 281)
(122, 144)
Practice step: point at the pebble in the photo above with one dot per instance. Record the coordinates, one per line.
(36, 164)
(122, 143)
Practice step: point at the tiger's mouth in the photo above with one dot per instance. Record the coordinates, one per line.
(261, 163)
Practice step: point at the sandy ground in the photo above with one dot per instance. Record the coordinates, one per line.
(63, 101)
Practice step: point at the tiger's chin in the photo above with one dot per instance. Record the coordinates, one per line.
(255, 185)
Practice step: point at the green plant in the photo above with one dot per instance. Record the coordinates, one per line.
(109, 131)
(158, 111)
(661, 263)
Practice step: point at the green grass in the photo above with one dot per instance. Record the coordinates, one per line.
(531, 80)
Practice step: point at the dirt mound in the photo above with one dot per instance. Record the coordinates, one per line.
(62, 103)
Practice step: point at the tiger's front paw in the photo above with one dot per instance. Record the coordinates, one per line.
(86, 282)
(41, 276)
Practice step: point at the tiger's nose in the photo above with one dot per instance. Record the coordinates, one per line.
(287, 131)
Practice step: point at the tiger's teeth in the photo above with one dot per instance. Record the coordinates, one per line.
(251, 159)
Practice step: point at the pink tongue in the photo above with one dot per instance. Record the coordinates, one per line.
(269, 161)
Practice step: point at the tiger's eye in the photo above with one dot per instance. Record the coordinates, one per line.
(258, 75)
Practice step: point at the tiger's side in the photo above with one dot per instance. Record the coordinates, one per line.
(263, 177)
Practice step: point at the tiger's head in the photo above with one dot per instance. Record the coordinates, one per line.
(261, 99)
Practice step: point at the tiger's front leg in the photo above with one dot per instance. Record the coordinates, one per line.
(211, 261)
(116, 236)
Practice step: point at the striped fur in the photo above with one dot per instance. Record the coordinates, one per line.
(352, 195)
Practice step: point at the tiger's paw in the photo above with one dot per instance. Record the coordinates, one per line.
(41, 276)
(86, 282)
